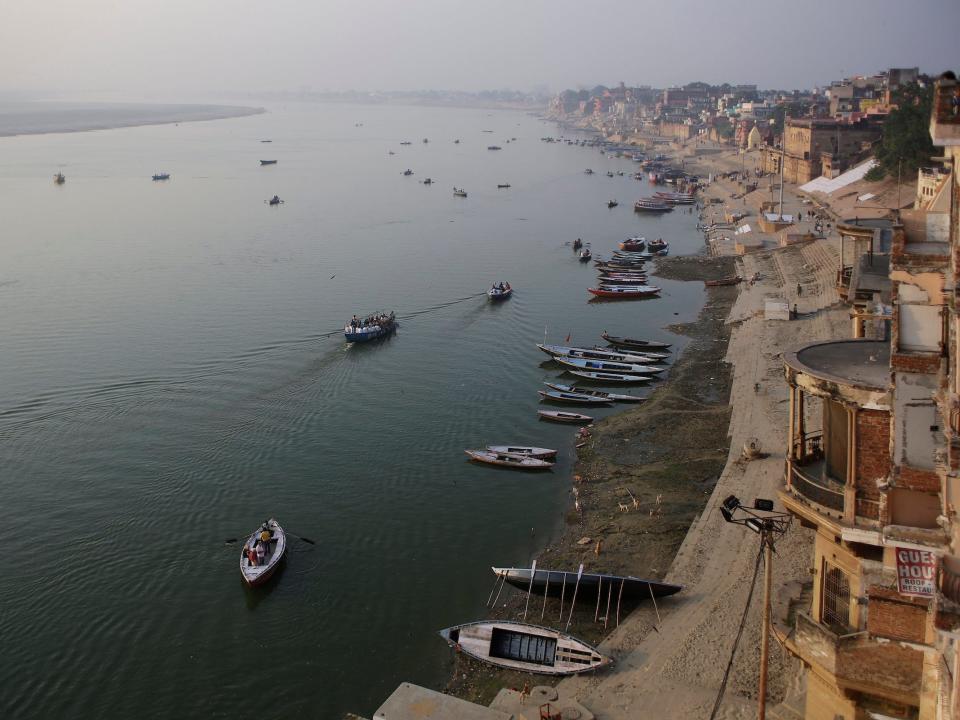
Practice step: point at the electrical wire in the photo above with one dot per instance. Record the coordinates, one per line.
(736, 642)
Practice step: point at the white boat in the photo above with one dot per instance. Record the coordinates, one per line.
(534, 452)
(257, 567)
(523, 647)
(595, 393)
(610, 377)
(598, 354)
(511, 460)
(561, 396)
(608, 366)
(564, 417)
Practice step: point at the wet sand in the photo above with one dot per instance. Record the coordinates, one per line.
(38, 118)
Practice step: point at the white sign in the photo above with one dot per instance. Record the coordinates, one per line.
(916, 572)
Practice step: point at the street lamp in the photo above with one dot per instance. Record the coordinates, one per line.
(769, 525)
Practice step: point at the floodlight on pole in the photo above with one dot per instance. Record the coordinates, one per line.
(769, 525)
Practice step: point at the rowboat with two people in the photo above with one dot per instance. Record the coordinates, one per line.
(262, 553)
(500, 291)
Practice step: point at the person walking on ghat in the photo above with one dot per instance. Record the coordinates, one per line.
(799, 290)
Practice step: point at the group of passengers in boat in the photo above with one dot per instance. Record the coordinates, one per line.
(369, 324)
(258, 552)
(499, 287)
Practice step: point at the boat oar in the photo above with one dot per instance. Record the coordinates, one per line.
(301, 537)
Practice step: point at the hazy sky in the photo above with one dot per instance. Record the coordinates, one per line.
(165, 49)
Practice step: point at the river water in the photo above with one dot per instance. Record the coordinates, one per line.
(172, 373)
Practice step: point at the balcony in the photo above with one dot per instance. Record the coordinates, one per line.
(860, 663)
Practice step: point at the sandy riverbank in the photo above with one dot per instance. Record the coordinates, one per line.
(39, 118)
(673, 446)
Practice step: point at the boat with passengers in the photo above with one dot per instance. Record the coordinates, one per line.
(372, 327)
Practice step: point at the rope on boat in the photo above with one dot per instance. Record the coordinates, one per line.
(407, 316)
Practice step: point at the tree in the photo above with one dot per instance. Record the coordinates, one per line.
(906, 134)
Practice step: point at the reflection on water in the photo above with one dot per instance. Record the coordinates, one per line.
(173, 370)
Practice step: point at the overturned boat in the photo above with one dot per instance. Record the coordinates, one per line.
(552, 583)
(523, 647)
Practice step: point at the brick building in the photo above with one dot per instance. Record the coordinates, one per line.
(873, 466)
(809, 140)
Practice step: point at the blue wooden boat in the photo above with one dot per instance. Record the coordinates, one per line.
(372, 327)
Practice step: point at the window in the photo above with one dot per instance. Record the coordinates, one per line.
(836, 599)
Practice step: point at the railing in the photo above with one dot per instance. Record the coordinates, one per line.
(816, 490)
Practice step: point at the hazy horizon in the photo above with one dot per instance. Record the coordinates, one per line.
(150, 50)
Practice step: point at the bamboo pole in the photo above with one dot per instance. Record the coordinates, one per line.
(650, 588)
(501, 588)
(533, 574)
(546, 592)
(619, 598)
(563, 591)
(606, 615)
(573, 602)
(596, 612)
(496, 580)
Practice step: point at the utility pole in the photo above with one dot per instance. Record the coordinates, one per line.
(783, 159)
(899, 163)
(767, 540)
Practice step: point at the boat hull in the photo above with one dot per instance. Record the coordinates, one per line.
(256, 575)
(524, 647)
(559, 396)
(561, 417)
(631, 343)
(551, 583)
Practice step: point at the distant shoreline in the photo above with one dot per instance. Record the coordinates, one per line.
(46, 118)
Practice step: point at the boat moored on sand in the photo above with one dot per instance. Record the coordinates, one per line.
(523, 647)
(552, 582)
(616, 397)
(626, 342)
(534, 452)
(624, 292)
(563, 417)
(572, 398)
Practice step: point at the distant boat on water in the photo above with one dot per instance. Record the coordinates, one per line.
(275, 200)
(494, 147)
(162, 176)
(268, 162)
(501, 186)
(59, 179)
(459, 192)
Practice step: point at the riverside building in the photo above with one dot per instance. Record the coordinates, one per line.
(873, 466)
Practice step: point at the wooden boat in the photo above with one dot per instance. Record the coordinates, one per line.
(563, 417)
(427, 181)
(162, 176)
(556, 351)
(259, 571)
(731, 280)
(623, 292)
(534, 452)
(406, 142)
(275, 200)
(459, 192)
(650, 205)
(588, 171)
(585, 255)
(616, 397)
(551, 583)
(268, 162)
(615, 284)
(371, 328)
(501, 186)
(494, 147)
(677, 198)
(606, 279)
(608, 366)
(610, 377)
(612, 203)
(632, 244)
(577, 244)
(572, 398)
(408, 172)
(500, 292)
(632, 343)
(620, 270)
(511, 460)
(59, 179)
(523, 647)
